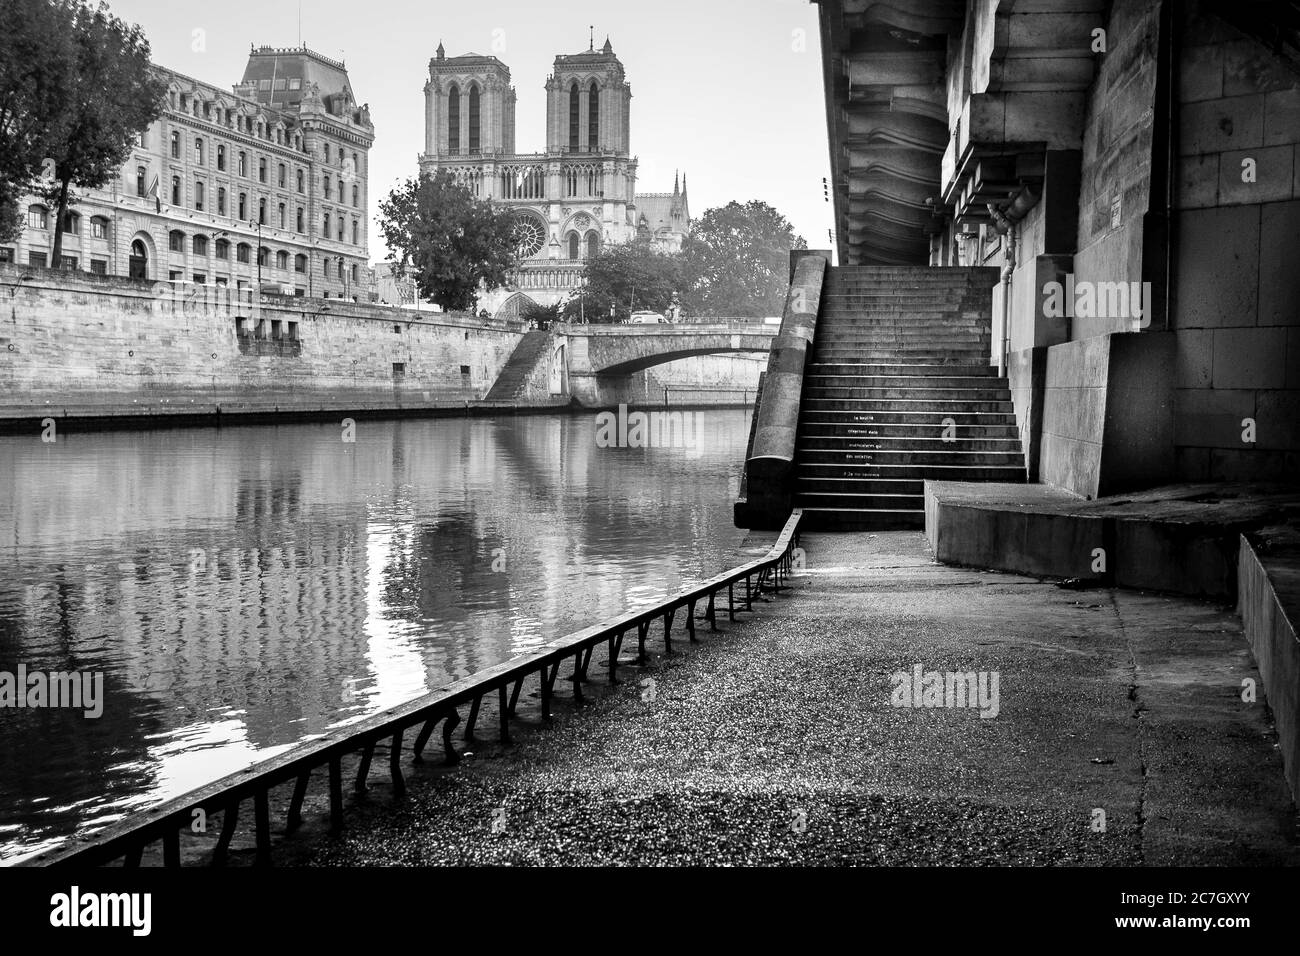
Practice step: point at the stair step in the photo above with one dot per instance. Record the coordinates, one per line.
(929, 431)
(954, 459)
(837, 380)
(1011, 473)
(931, 440)
(914, 369)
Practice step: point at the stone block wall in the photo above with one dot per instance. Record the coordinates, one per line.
(79, 345)
(1237, 279)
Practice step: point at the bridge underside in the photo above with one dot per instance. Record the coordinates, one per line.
(650, 361)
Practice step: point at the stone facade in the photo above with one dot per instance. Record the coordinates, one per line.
(280, 161)
(1149, 145)
(568, 201)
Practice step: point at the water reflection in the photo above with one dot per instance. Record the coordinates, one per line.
(246, 588)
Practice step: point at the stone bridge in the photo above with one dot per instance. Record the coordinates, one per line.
(603, 360)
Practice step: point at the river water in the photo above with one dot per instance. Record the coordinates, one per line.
(242, 589)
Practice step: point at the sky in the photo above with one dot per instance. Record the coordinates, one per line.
(730, 91)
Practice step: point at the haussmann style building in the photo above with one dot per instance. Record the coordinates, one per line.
(264, 182)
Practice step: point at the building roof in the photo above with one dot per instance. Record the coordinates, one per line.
(274, 68)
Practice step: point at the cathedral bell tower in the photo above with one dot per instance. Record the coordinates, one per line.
(469, 107)
(587, 104)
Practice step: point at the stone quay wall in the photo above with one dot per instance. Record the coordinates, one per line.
(79, 346)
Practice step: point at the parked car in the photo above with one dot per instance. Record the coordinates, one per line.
(645, 318)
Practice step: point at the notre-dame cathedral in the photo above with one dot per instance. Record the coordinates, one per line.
(568, 201)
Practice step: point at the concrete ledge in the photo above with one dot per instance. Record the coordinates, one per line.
(769, 469)
(1179, 538)
(1268, 575)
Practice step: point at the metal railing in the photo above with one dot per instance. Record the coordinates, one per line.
(166, 823)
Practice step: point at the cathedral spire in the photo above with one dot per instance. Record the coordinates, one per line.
(676, 190)
(608, 48)
(442, 53)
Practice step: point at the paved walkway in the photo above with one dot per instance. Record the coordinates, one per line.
(776, 741)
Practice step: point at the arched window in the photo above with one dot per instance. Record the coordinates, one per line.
(176, 190)
(176, 144)
(198, 195)
(575, 111)
(72, 223)
(356, 233)
(98, 227)
(593, 117)
(281, 215)
(261, 211)
(221, 157)
(356, 195)
(176, 241)
(243, 252)
(300, 223)
(200, 245)
(140, 173)
(326, 183)
(38, 217)
(474, 140)
(340, 269)
(282, 179)
(300, 263)
(263, 256)
(574, 245)
(138, 264)
(282, 260)
(593, 244)
(243, 207)
(261, 170)
(340, 155)
(300, 184)
(221, 200)
(198, 150)
(326, 223)
(243, 164)
(453, 120)
(355, 272)
(223, 248)
(340, 232)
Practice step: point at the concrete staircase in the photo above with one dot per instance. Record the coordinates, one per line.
(900, 390)
(519, 367)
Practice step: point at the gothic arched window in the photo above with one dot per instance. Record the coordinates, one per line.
(574, 246)
(474, 138)
(574, 112)
(593, 118)
(453, 121)
(593, 244)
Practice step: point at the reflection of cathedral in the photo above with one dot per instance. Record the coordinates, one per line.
(569, 200)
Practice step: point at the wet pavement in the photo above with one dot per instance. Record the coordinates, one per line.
(1118, 735)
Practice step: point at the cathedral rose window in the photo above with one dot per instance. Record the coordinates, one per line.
(530, 236)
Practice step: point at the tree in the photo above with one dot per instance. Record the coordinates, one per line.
(36, 66)
(114, 93)
(622, 279)
(737, 260)
(453, 240)
(541, 316)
